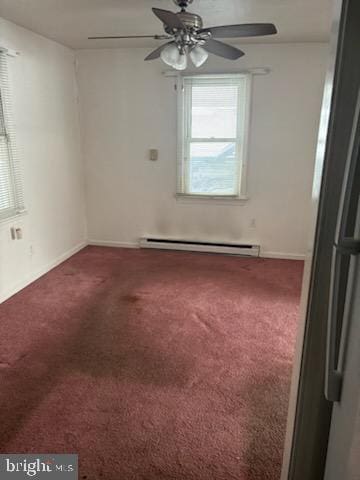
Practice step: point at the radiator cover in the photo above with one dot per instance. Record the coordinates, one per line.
(246, 250)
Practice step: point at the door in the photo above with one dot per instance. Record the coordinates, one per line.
(310, 432)
(342, 385)
(308, 427)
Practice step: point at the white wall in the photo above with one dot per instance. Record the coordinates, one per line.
(48, 134)
(127, 107)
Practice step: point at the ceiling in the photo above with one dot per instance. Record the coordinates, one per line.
(70, 22)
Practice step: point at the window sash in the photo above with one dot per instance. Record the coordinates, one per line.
(185, 139)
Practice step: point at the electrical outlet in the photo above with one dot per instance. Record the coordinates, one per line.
(252, 223)
(31, 250)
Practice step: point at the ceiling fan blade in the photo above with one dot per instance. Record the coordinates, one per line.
(170, 19)
(156, 53)
(222, 49)
(244, 30)
(156, 37)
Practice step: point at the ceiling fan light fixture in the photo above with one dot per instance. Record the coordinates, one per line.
(181, 64)
(170, 55)
(198, 56)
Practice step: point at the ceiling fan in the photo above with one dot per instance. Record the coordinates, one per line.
(188, 37)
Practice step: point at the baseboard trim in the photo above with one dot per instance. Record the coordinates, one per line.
(42, 271)
(283, 256)
(109, 243)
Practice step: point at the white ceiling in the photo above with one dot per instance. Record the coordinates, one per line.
(70, 22)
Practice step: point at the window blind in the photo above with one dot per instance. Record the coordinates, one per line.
(213, 120)
(11, 192)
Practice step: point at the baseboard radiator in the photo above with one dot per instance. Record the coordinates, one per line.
(245, 250)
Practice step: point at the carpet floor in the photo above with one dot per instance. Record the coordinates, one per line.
(152, 364)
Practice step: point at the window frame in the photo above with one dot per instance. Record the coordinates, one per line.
(184, 140)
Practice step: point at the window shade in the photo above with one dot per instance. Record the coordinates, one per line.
(11, 193)
(213, 125)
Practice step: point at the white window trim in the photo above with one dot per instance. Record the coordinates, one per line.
(14, 217)
(180, 194)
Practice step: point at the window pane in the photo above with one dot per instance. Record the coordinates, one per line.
(214, 111)
(213, 169)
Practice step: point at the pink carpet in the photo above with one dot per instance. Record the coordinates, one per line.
(152, 365)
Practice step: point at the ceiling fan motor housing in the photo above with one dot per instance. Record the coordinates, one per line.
(190, 20)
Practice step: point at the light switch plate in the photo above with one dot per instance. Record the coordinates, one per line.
(153, 154)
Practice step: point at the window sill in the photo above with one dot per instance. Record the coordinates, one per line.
(214, 199)
(13, 218)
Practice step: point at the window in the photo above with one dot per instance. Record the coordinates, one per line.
(213, 121)
(11, 196)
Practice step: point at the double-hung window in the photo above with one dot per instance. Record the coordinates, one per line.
(213, 116)
(11, 194)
